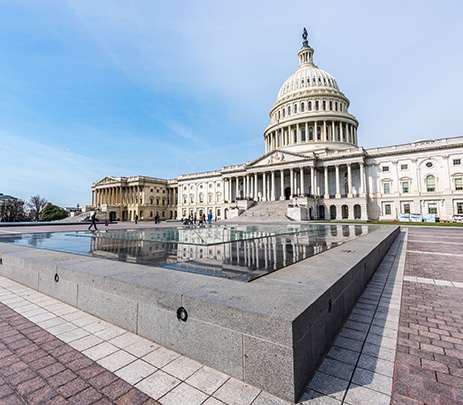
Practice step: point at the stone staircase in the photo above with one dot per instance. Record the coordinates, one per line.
(267, 211)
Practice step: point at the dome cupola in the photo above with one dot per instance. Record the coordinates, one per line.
(310, 112)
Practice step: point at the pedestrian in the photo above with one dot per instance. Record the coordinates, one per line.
(136, 219)
(93, 221)
(209, 218)
(106, 224)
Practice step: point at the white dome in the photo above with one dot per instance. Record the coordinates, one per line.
(307, 77)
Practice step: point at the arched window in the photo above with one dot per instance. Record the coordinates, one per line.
(309, 107)
(430, 183)
(201, 197)
(316, 105)
(302, 107)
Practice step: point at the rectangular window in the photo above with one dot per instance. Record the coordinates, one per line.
(432, 208)
(386, 188)
(403, 167)
(456, 162)
(406, 208)
(303, 135)
(385, 168)
(458, 183)
(460, 208)
(405, 187)
(387, 209)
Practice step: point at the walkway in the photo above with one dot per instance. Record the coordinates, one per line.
(387, 352)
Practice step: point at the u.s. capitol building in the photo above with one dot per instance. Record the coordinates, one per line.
(313, 168)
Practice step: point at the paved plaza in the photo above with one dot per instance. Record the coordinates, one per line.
(402, 344)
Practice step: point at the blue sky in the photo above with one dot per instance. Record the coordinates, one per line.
(160, 88)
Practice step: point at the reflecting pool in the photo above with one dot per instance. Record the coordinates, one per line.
(238, 252)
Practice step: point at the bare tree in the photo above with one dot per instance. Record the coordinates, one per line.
(12, 211)
(36, 205)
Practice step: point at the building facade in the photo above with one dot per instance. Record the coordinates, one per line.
(312, 159)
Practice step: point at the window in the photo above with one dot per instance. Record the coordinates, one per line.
(406, 208)
(459, 183)
(218, 197)
(295, 108)
(302, 107)
(201, 197)
(459, 207)
(331, 105)
(432, 208)
(386, 188)
(289, 110)
(309, 107)
(456, 162)
(430, 183)
(209, 198)
(303, 135)
(428, 164)
(385, 168)
(316, 105)
(319, 133)
(405, 187)
(310, 134)
(192, 198)
(387, 209)
(324, 105)
(403, 167)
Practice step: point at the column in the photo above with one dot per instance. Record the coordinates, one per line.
(349, 180)
(302, 180)
(282, 184)
(291, 177)
(338, 194)
(325, 135)
(312, 180)
(362, 179)
(273, 186)
(327, 191)
(255, 186)
(264, 187)
(237, 191)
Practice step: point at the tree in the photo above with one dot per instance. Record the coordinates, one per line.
(36, 206)
(12, 211)
(53, 212)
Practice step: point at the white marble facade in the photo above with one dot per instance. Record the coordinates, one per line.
(312, 159)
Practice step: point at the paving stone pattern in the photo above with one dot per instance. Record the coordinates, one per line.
(429, 358)
(38, 368)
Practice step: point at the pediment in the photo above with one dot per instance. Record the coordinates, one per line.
(275, 158)
(108, 180)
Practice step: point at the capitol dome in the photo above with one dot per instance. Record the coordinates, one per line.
(310, 113)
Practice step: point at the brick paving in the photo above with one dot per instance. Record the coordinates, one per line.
(38, 368)
(429, 357)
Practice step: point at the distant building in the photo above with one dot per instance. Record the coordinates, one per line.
(312, 159)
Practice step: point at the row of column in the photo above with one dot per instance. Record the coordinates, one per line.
(263, 185)
(300, 133)
(121, 195)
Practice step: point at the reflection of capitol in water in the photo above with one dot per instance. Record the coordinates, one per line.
(242, 252)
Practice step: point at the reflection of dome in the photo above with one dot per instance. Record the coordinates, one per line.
(310, 112)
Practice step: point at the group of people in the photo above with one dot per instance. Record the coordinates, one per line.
(193, 220)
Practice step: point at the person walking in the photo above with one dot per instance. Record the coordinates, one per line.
(93, 221)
